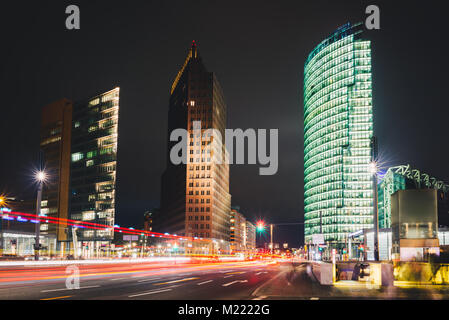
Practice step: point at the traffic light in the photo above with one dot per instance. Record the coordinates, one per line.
(260, 226)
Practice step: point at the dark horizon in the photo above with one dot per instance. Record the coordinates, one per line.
(258, 52)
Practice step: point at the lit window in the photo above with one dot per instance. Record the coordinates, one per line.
(77, 156)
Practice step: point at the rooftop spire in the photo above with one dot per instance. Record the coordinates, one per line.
(193, 54)
(194, 50)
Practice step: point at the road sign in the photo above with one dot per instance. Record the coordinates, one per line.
(318, 239)
(130, 238)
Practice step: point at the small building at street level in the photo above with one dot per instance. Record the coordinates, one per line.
(413, 210)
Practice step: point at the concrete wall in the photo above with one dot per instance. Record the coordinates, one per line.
(323, 272)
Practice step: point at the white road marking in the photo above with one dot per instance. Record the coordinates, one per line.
(139, 276)
(180, 280)
(204, 282)
(261, 272)
(149, 292)
(146, 280)
(118, 279)
(224, 271)
(313, 298)
(260, 298)
(228, 276)
(228, 284)
(64, 289)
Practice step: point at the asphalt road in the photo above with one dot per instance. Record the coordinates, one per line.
(139, 281)
(256, 280)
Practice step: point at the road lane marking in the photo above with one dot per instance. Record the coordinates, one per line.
(118, 279)
(261, 272)
(255, 293)
(146, 280)
(228, 276)
(64, 289)
(175, 281)
(238, 272)
(260, 298)
(224, 271)
(149, 292)
(201, 283)
(314, 298)
(63, 297)
(236, 281)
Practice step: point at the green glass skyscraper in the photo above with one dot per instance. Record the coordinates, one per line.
(338, 129)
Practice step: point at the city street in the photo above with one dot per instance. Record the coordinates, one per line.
(139, 281)
(206, 281)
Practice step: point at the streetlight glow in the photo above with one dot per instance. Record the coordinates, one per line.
(41, 176)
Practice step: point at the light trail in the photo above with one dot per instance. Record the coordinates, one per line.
(40, 274)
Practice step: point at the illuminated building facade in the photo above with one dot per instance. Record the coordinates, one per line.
(250, 236)
(195, 199)
(55, 144)
(338, 130)
(93, 164)
(237, 235)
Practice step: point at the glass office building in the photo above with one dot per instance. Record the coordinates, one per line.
(338, 130)
(93, 164)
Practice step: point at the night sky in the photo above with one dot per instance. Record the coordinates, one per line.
(257, 50)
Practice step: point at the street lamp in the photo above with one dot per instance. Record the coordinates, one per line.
(373, 170)
(40, 179)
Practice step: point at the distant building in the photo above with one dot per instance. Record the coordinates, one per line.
(237, 234)
(195, 199)
(18, 233)
(250, 236)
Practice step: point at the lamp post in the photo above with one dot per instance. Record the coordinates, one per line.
(373, 171)
(40, 178)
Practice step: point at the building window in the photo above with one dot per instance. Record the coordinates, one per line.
(77, 156)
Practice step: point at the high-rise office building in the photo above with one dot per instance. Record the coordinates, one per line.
(94, 163)
(55, 144)
(195, 199)
(79, 144)
(338, 129)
